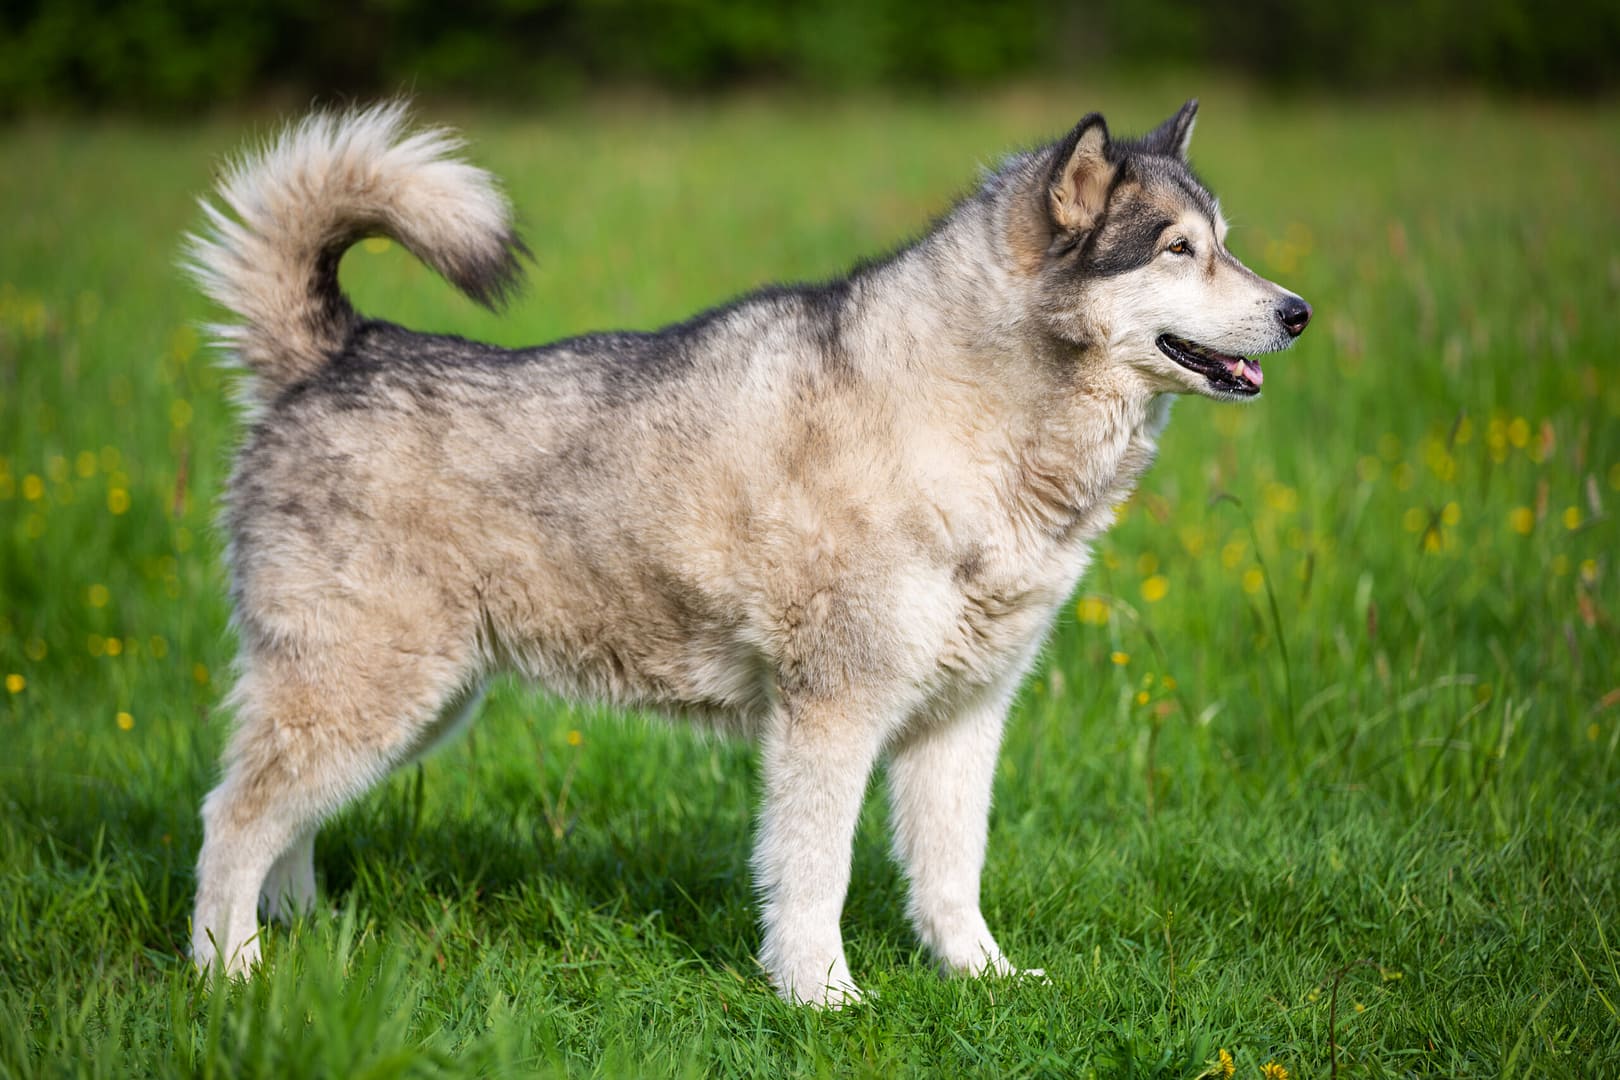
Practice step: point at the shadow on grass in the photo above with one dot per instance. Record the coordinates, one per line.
(629, 855)
(632, 863)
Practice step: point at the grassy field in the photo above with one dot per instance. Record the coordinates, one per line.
(1325, 751)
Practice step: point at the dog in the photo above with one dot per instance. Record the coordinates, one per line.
(838, 518)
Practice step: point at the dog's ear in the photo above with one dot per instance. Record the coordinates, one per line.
(1171, 137)
(1081, 176)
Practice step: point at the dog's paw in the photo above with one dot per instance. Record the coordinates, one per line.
(975, 959)
(206, 957)
(819, 989)
(837, 997)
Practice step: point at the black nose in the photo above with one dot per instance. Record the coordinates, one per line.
(1294, 313)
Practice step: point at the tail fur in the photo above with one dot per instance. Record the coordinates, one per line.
(290, 209)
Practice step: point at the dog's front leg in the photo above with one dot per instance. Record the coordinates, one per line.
(817, 757)
(939, 789)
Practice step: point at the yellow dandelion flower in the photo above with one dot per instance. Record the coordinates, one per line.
(1281, 498)
(1522, 520)
(85, 464)
(1253, 580)
(1155, 588)
(117, 500)
(1589, 571)
(1092, 610)
(575, 739)
(114, 646)
(15, 683)
(1233, 553)
(184, 342)
(33, 488)
(1518, 432)
(1120, 658)
(1572, 517)
(1452, 514)
(1169, 682)
(1273, 1071)
(126, 722)
(1224, 1065)
(1416, 519)
(1142, 697)
(158, 646)
(1360, 1008)
(98, 595)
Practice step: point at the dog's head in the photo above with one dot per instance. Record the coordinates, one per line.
(1126, 254)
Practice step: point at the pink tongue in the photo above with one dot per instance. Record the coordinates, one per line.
(1246, 369)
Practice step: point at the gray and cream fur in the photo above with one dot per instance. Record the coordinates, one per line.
(838, 519)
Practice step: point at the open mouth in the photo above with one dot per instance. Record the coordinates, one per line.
(1237, 375)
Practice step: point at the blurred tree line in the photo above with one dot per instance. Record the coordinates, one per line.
(187, 54)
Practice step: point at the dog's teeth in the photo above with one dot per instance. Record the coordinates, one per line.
(1234, 368)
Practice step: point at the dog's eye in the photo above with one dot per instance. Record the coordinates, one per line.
(1180, 247)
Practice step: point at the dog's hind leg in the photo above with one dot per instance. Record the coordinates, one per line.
(939, 789)
(289, 888)
(312, 733)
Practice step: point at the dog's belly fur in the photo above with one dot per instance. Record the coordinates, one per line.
(485, 515)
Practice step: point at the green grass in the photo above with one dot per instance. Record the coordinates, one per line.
(1386, 765)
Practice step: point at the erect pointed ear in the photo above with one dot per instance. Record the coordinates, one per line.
(1171, 137)
(1081, 176)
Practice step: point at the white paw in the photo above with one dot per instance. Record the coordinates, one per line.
(975, 959)
(819, 986)
(833, 996)
(206, 957)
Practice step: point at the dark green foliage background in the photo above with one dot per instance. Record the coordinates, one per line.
(182, 55)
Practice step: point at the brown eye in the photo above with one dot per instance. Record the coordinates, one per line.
(1180, 247)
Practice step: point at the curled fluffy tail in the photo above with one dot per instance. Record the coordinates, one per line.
(290, 209)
